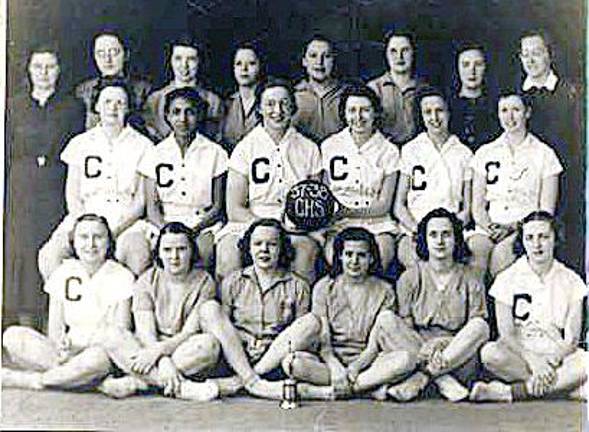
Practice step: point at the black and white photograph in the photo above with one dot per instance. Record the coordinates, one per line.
(271, 215)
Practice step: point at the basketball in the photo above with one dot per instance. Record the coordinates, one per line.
(310, 205)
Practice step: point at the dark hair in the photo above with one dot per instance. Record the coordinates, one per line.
(539, 215)
(50, 47)
(271, 82)
(191, 95)
(546, 38)
(461, 252)
(176, 228)
(260, 53)
(399, 32)
(186, 40)
(429, 91)
(91, 217)
(361, 90)
(319, 38)
(355, 234)
(117, 82)
(287, 251)
(111, 33)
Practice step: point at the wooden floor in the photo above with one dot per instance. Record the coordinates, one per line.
(91, 411)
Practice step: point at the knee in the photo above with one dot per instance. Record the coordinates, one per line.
(12, 337)
(112, 338)
(481, 329)
(310, 326)
(293, 364)
(208, 348)
(97, 356)
(406, 252)
(210, 311)
(134, 250)
(492, 356)
(389, 321)
(406, 360)
(227, 249)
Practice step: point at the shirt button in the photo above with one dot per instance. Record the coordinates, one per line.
(357, 181)
(367, 202)
(183, 193)
(117, 200)
(356, 203)
(279, 166)
(279, 180)
(108, 200)
(280, 200)
(183, 178)
(506, 208)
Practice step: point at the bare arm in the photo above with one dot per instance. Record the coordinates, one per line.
(479, 202)
(549, 193)
(153, 204)
(74, 203)
(215, 213)
(237, 197)
(464, 215)
(402, 211)
(56, 321)
(382, 205)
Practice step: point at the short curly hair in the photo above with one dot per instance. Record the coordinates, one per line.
(176, 228)
(355, 234)
(287, 251)
(461, 252)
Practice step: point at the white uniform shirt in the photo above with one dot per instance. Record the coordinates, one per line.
(356, 174)
(540, 306)
(272, 169)
(184, 184)
(514, 179)
(437, 177)
(109, 170)
(86, 299)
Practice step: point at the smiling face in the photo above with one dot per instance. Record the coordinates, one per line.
(471, 68)
(183, 117)
(440, 239)
(43, 70)
(91, 242)
(435, 114)
(534, 56)
(276, 108)
(399, 54)
(360, 115)
(175, 251)
(112, 106)
(356, 258)
(319, 61)
(513, 114)
(246, 67)
(184, 62)
(538, 241)
(265, 247)
(109, 55)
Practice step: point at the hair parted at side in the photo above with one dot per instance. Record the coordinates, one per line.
(287, 251)
(461, 252)
(355, 234)
(176, 228)
(92, 217)
(539, 215)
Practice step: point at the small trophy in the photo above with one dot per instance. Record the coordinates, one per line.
(289, 386)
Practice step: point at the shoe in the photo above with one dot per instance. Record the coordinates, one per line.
(200, 392)
(494, 391)
(21, 379)
(120, 388)
(451, 389)
(410, 388)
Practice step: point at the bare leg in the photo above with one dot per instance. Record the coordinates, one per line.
(387, 368)
(227, 248)
(481, 247)
(308, 367)
(29, 349)
(406, 251)
(306, 255)
(503, 362)
(386, 247)
(197, 354)
(464, 345)
(299, 336)
(86, 367)
(502, 255)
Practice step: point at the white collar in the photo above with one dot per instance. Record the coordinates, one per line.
(548, 84)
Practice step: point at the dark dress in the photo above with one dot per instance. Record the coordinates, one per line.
(34, 191)
(474, 121)
(557, 120)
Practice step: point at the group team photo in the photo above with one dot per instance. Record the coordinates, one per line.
(319, 217)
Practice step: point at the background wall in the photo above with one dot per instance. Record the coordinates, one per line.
(283, 26)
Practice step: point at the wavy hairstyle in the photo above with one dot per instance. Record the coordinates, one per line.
(287, 251)
(355, 234)
(361, 90)
(461, 252)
